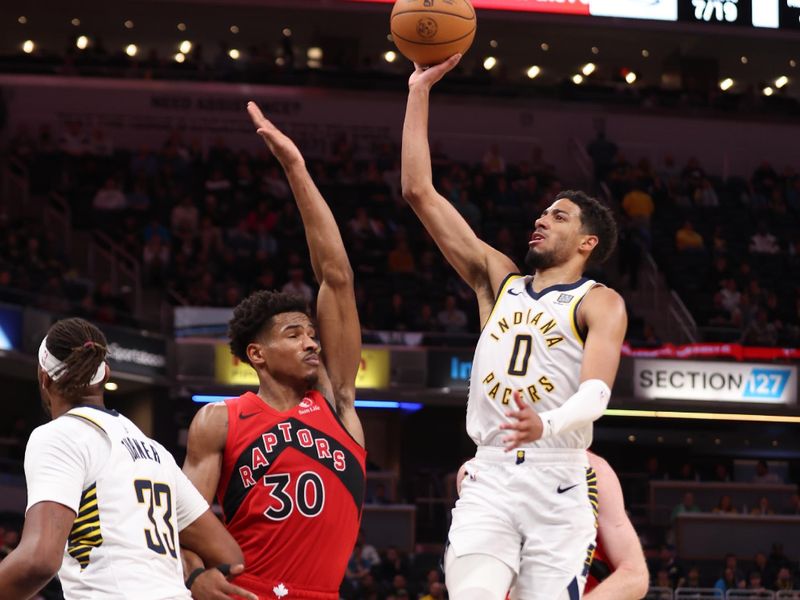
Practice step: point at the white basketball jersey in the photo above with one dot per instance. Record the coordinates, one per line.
(531, 343)
(124, 542)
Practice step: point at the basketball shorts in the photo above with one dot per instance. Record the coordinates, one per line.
(536, 511)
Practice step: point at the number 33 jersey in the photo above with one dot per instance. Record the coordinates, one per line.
(130, 500)
(530, 343)
(291, 490)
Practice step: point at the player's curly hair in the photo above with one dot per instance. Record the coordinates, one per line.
(82, 347)
(254, 313)
(597, 219)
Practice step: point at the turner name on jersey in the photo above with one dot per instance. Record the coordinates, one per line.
(531, 343)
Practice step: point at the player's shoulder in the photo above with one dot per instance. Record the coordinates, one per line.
(600, 298)
(598, 463)
(209, 427)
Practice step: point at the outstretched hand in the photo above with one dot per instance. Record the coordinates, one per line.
(213, 585)
(281, 146)
(427, 76)
(527, 425)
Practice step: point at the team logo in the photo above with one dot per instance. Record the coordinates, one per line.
(306, 403)
(280, 591)
(427, 28)
(564, 298)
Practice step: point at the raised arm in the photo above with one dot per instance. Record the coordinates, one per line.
(621, 545)
(482, 267)
(337, 318)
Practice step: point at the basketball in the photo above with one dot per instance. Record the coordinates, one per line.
(428, 32)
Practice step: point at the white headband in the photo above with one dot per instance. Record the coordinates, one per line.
(55, 368)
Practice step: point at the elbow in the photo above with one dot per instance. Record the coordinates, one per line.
(42, 569)
(640, 583)
(413, 191)
(338, 275)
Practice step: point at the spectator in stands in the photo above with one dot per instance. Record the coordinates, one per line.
(73, 140)
(763, 507)
(784, 579)
(754, 582)
(401, 587)
(155, 260)
(705, 195)
(728, 581)
(687, 240)
(184, 219)
(730, 296)
(692, 578)
(760, 331)
(687, 505)
(436, 591)
(297, 286)
(380, 496)
(357, 566)
(793, 507)
(760, 565)
(725, 506)
(493, 161)
(639, 206)
(669, 563)
(653, 469)
(394, 564)
(109, 198)
(721, 473)
(426, 320)
(467, 209)
(400, 259)
(764, 475)
(687, 473)
(662, 580)
(763, 242)
(602, 152)
(452, 319)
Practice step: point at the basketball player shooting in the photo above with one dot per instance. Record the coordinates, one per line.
(288, 463)
(107, 506)
(542, 374)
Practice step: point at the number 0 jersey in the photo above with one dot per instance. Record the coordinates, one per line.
(130, 501)
(291, 490)
(531, 343)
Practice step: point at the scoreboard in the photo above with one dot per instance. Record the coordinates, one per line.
(772, 14)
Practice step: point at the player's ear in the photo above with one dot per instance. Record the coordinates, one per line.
(45, 381)
(255, 354)
(589, 243)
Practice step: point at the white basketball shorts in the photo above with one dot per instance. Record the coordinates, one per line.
(534, 509)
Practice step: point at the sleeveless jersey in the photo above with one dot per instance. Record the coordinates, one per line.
(531, 343)
(291, 491)
(124, 542)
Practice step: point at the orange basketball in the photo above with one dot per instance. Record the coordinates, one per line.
(431, 31)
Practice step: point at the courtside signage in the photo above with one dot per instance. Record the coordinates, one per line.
(715, 381)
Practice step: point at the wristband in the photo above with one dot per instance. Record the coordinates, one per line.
(194, 575)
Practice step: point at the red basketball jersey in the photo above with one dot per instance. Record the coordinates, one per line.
(599, 569)
(291, 491)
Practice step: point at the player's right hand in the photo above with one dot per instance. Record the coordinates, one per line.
(212, 585)
(281, 146)
(425, 77)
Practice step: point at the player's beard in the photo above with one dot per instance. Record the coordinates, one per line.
(312, 379)
(538, 259)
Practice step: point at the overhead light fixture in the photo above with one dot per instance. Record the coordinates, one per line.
(131, 50)
(181, 26)
(544, 46)
(792, 63)
(577, 79)
(76, 22)
(781, 81)
(595, 50)
(180, 57)
(314, 53)
(768, 91)
(280, 61)
(234, 53)
(744, 60)
(22, 19)
(287, 32)
(389, 37)
(82, 42)
(489, 63)
(128, 24)
(493, 43)
(390, 56)
(533, 72)
(726, 84)
(185, 47)
(28, 46)
(313, 64)
(588, 69)
(234, 29)
(111, 386)
(645, 53)
(630, 77)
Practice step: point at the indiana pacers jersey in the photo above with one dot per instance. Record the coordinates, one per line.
(531, 343)
(130, 499)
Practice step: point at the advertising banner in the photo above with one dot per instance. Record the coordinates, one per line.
(449, 368)
(10, 327)
(130, 351)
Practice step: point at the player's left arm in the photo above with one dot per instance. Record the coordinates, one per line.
(37, 558)
(337, 318)
(630, 578)
(602, 313)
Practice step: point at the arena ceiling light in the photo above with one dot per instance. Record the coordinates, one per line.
(111, 386)
(489, 63)
(744, 60)
(595, 50)
(630, 77)
(390, 56)
(314, 53)
(533, 72)
(781, 81)
(82, 42)
(128, 24)
(185, 47)
(76, 22)
(234, 53)
(179, 57)
(792, 63)
(577, 79)
(726, 84)
(645, 53)
(588, 69)
(544, 46)
(287, 32)
(768, 91)
(28, 46)
(181, 26)
(22, 19)
(234, 29)
(131, 50)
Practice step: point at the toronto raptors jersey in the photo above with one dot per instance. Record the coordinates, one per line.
(291, 490)
(599, 571)
(531, 343)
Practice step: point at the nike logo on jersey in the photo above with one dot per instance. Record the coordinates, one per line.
(247, 416)
(513, 293)
(561, 490)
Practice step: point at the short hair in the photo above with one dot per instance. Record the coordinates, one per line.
(254, 313)
(82, 347)
(597, 219)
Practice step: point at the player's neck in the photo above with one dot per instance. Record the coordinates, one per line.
(562, 274)
(281, 396)
(60, 406)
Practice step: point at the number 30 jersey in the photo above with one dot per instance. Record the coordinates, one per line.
(291, 491)
(130, 500)
(531, 343)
